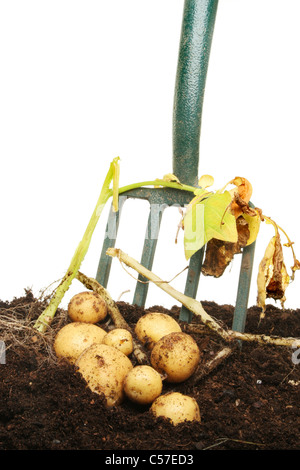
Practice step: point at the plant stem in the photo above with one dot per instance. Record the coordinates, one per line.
(205, 369)
(47, 315)
(155, 183)
(196, 307)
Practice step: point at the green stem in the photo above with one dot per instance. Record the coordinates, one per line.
(47, 315)
(157, 182)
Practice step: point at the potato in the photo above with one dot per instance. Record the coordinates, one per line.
(177, 407)
(88, 307)
(73, 338)
(176, 356)
(154, 325)
(143, 384)
(104, 369)
(121, 339)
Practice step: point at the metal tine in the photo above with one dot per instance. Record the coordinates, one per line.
(150, 243)
(112, 226)
(241, 305)
(159, 200)
(192, 283)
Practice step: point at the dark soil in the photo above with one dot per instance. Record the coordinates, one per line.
(249, 402)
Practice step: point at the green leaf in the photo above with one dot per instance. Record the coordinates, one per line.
(206, 219)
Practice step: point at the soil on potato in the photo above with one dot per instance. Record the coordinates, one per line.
(249, 402)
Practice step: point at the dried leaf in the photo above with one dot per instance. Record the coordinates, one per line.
(295, 268)
(272, 279)
(219, 254)
(241, 195)
(265, 273)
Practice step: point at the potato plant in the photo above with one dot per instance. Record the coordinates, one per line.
(225, 218)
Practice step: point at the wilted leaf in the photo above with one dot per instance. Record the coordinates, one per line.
(171, 178)
(242, 193)
(272, 279)
(219, 254)
(295, 267)
(206, 219)
(253, 226)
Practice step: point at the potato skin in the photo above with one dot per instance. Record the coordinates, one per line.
(143, 384)
(176, 356)
(121, 339)
(73, 338)
(152, 326)
(176, 407)
(104, 368)
(88, 307)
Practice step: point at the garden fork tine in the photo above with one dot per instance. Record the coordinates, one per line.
(195, 44)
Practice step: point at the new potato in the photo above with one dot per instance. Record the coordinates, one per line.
(176, 407)
(88, 307)
(121, 339)
(73, 338)
(143, 384)
(152, 326)
(176, 356)
(104, 369)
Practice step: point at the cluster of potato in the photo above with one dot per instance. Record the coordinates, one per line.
(103, 358)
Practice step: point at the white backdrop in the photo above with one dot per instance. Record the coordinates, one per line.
(85, 81)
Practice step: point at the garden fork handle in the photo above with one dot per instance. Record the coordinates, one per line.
(195, 44)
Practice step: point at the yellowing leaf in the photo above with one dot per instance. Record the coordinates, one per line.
(205, 181)
(253, 226)
(171, 178)
(208, 219)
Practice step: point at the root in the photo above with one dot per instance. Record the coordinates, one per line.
(211, 365)
(18, 334)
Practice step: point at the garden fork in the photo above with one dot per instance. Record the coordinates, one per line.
(195, 44)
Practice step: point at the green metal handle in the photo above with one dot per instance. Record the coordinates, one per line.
(195, 44)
